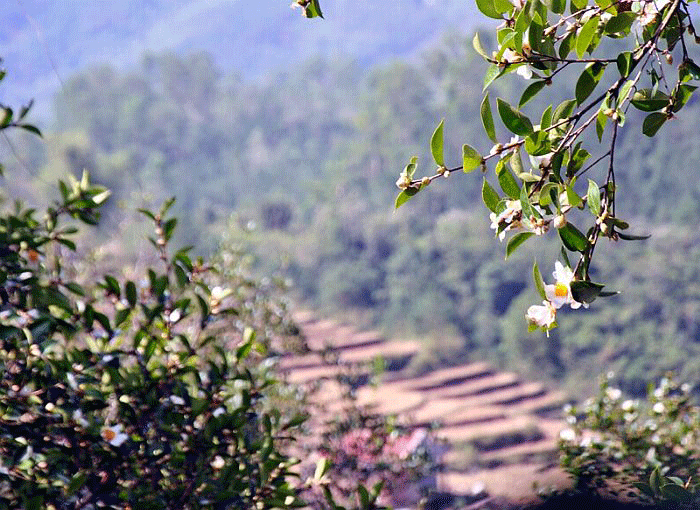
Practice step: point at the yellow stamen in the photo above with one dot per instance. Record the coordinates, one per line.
(108, 434)
(561, 290)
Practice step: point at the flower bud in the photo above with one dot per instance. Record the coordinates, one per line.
(425, 181)
(669, 59)
(559, 221)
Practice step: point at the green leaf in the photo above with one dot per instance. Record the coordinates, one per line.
(624, 63)
(488, 8)
(476, 42)
(594, 198)
(572, 196)
(572, 238)
(515, 121)
(313, 9)
(31, 129)
(601, 121)
(652, 123)
(130, 292)
(436, 144)
(682, 96)
(471, 159)
(508, 183)
(563, 111)
(75, 288)
(585, 36)
(530, 92)
(620, 23)
(648, 101)
(655, 481)
(487, 119)
(515, 242)
(566, 44)
(490, 197)
(546, 119)
(492, 73)
(585, 292)
(588, 80)
(630, 237)
(539, 282)
(404, 197)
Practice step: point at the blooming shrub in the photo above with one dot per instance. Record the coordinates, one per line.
(646, 450)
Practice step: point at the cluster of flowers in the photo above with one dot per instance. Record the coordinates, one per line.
(558, 295)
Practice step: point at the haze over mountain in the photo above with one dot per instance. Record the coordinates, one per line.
(45, 42)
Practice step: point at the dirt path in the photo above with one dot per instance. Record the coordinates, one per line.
(500, 432)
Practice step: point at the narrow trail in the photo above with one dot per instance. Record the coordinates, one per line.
(500, 432)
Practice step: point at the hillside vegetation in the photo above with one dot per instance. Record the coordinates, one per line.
(306, 160)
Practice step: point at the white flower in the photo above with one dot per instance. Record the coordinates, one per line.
(511, 57)
(218, 462)
(567, 435)
(560, 293)
(524, 71)
(218, 412)
(508, 216)
(542, 161)
(542, 316)
(79, 418)
(220, 293)
(178, 401)
(613, 393)
(114, 435)
(658, 407)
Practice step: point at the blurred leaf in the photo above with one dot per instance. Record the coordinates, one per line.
(487, 8)
(476, 42)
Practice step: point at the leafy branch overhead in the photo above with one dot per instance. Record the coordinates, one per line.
(547, 171)
(645, 64)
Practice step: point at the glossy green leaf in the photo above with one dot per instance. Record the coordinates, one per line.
(585, 36)
(572, 238)
(585, 292)
(594, 198)
(514, 120)
(471, 159)
(652, 123)
(490, 197)
(437, 143)
(588, 80)
(487, 119)
(516, 241)
(530, 92)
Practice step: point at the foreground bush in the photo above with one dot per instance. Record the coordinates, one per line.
(641, 450)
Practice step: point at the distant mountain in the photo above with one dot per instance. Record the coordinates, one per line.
(43, 42)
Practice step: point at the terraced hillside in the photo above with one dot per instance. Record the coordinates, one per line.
(499, 432)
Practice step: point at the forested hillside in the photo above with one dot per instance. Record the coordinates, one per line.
(301, 167)
(44, 42)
